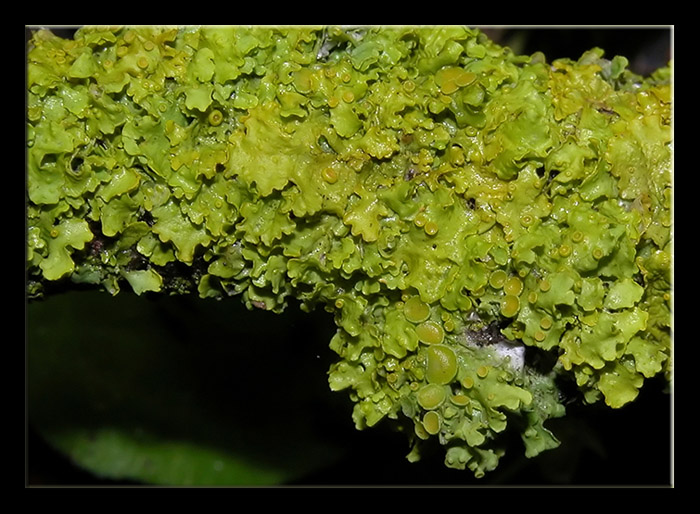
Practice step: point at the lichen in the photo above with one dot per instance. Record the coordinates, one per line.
(456, 207)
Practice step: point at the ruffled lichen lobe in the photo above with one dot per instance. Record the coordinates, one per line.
(456, 207)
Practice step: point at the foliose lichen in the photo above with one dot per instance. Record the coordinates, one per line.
(458, 208)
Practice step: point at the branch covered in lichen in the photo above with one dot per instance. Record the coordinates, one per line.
(466, 214)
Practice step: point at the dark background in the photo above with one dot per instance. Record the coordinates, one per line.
(646, 48)
(630, 446)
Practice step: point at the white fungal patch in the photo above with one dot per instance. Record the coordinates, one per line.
(512, 353)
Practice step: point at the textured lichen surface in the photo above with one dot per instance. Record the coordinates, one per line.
(484, 227)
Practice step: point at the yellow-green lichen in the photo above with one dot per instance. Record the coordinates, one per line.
(450, 202)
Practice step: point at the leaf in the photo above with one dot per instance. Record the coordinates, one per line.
(177, 392)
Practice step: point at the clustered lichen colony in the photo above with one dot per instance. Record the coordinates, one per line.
(456, 207)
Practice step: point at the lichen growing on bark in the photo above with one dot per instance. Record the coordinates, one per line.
(457, 208)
